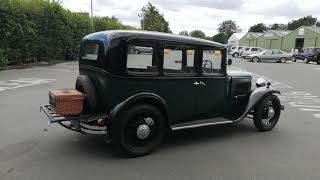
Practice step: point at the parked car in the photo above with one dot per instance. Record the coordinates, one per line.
(235, 51)
(184, 84)
(250, 50)
(272, 55)
(140, 50)
(308, 55)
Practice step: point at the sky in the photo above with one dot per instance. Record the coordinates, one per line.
(205, 15)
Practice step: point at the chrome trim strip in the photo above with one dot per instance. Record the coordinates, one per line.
(200, 125)
(92, 132)
(97, 128)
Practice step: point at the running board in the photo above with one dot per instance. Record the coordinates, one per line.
(201, 123)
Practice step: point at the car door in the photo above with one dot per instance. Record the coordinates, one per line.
(178, 84)
(211, 91)
(266, 56)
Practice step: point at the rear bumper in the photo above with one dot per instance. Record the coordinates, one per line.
(79, 123)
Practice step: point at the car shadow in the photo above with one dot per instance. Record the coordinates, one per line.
(95, 147)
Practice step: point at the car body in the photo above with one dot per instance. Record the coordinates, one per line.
(308, 55)
(272, 55)
(136, 99)
(235, 50)
(250, 50)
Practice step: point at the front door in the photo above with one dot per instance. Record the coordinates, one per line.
(211, 91)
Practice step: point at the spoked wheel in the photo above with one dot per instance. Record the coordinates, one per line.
(139, 130)
(267, 113)
(283, 60)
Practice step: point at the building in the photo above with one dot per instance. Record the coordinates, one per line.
(250, 39)
(234, 40)
(271, 39)
(305, 36)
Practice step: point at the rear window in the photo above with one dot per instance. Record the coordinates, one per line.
(91, 50)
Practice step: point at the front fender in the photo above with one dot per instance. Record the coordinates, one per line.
(142, 97)
(257, 96)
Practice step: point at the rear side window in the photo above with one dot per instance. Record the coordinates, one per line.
(254, 49)
(140, 59)
(178, 59)
(233, 48)
(247, 49)
(91, 50)
(240, 48)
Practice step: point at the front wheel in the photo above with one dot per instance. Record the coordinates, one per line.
(235, 55)
(139, 130)
(255, 59)
(267, 113)
(283, 60)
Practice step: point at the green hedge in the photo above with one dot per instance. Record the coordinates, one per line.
(39, 30)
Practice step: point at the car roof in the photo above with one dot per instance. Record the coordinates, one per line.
(114, 34)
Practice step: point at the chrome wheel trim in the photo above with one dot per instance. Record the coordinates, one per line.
(270, 114)
(143, 131)
(255, 59)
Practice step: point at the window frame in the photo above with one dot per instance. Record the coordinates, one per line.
(100, 62)
(223, 66)
(182, 73)
(143, 42)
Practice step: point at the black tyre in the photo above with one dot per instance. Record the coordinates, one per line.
(283, 60)
(235, 55)
(136, 51)
(139, 130)
(318, 62)
(267, 113)
(84, 85)
(294, 59)
(255, 59)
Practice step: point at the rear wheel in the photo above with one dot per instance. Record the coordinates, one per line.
(294, 59)
(255, 59)
(283, 60)
(305, 60)
(267, 113)
(139, 130)
(235, 55)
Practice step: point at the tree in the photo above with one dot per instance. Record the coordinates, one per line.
(198, 34)
(227, 28)
(279, 27)
(152, 20)
(304, 21)
(220, 38)
(184, 33)
(258, 28)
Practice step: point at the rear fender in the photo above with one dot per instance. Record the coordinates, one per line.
(256, 97)
(142, 97)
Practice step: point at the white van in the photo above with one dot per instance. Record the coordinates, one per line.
(250, 50)
(235, 50)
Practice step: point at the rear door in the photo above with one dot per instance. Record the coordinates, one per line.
(211, 91)
(178, 83)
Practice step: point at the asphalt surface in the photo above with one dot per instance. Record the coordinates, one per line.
(30, 149)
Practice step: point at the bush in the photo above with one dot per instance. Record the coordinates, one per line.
(3, 60)
(42, 30)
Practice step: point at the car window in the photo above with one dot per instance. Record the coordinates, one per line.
(91, 51)
(247, 49)
(254, 49)
(140, 59)
(267, 52)
(178, 59)
(211, 61)
(233, 47)
(277, 52)
(240, 48)
(317, 50)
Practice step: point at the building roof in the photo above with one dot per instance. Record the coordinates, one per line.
(313, 28)
(280, 33)
(109, 35)
(256, 35)
(236, 36)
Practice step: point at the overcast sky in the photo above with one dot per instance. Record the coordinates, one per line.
(203, 14)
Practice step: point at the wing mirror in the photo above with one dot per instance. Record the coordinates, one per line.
(229, 62)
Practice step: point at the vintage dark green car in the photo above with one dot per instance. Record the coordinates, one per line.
(175, 83)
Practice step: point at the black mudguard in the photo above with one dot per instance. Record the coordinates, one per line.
(256, 97)
(142, 97)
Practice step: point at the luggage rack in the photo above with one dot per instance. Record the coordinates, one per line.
(76, 123)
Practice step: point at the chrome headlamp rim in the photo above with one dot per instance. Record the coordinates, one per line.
(261, 82)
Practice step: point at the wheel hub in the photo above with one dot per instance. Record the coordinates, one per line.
(143, 131)
(271, 113)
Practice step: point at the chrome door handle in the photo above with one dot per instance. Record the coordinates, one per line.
(202, 83)
(196, 83)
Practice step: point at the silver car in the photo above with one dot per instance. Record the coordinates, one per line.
(272, 55)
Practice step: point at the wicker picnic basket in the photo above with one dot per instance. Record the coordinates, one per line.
(66, 101)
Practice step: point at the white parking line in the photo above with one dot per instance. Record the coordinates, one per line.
(22, 82)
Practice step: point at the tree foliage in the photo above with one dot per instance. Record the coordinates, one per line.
(37, 30)
(304, 21)
(220, 38)
(261, 27)
(184, 33)
(198, 34)
(279, 27)
(227, 28)
(152, 20)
